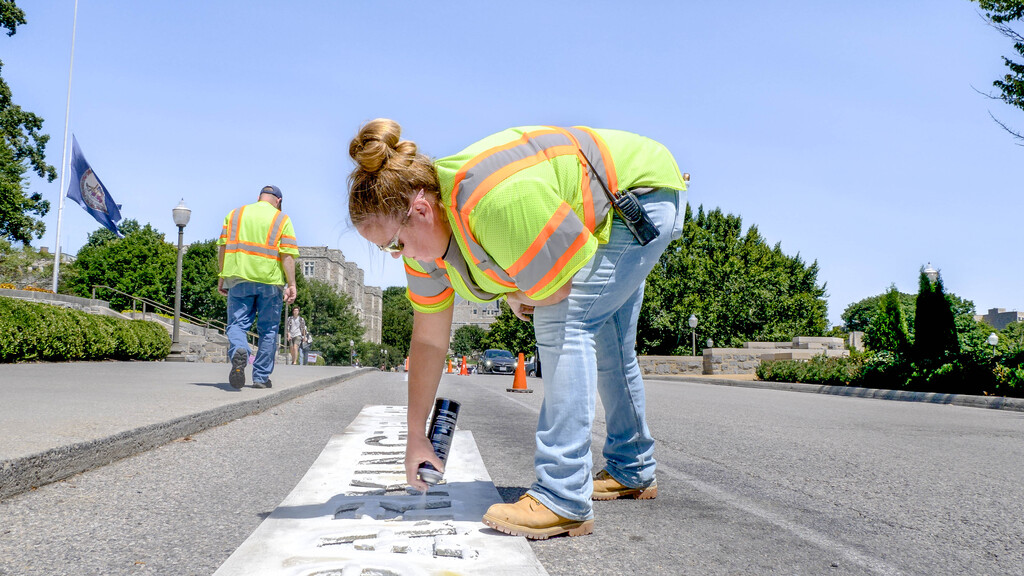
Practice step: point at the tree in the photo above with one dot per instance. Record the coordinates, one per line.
(20, 143)
(510, 333)
(1001, 14)
(858, 315)
(141, 264)
(468, 340)
(888, 328)
(330, 319)
(935, 335)
(739, 288)
(199, 270)
(396, 321)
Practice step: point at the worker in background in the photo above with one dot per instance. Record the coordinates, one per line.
(256, 258)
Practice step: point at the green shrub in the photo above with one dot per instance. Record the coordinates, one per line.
(817, 370)
(33, 331)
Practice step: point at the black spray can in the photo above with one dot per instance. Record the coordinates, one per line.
(442, 430)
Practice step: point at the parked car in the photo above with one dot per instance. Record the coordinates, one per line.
(533, 367)
(495, 361)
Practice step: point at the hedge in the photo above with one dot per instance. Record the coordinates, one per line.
(32, 331)
(962, 374)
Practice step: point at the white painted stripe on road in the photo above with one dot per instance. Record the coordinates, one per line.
(745, 505)
(351, 514)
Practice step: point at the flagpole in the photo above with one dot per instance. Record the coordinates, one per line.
(64, 153)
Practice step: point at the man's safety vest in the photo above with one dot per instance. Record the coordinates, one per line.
(527, 209)
(254, 236)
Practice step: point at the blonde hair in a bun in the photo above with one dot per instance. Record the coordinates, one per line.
(388, 172)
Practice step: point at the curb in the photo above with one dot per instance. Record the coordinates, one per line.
(23, 474)
(970, 401)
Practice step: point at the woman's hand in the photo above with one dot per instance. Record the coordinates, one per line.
(521, 305)
(417, 451)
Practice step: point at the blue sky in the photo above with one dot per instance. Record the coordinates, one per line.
(852, 133)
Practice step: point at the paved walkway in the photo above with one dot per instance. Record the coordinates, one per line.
(60, 419)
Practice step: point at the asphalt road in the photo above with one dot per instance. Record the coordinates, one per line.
(750, 482)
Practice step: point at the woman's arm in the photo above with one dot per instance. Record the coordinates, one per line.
(522, 305)
(427, 350)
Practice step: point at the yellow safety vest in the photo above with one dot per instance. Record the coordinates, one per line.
(254, 236)
(527, 209)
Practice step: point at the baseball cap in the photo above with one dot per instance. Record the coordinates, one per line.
(271, 190)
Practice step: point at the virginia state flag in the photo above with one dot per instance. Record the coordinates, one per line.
(86, 189)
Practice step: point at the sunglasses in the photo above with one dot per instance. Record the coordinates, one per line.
(395, 245)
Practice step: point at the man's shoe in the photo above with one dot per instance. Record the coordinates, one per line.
(531, 519)
(238, 361)
(608, 488)
(266, 384)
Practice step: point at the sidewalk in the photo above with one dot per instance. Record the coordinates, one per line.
(749, 381)
(60, 419)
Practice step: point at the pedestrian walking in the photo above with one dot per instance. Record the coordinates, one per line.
(296, 333)
(565, 224)
(256, 257)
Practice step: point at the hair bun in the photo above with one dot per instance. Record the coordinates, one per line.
(377, 141)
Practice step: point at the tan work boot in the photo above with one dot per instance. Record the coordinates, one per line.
(608, 488)
(530, 518)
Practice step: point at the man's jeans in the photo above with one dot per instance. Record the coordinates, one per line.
(248, 301)
(587, 346)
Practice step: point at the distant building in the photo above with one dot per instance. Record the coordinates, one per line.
(999, 318)
(328, 265)
(482, 315)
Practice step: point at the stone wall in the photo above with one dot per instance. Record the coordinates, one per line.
(742, 360)
(662, 365)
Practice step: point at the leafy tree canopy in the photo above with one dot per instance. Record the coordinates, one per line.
(858, 316)
(331, 320)
(199, 295)
(142, 264)
(1001, 15)
(510, 333)
(888, 327)
(396, 321)
(20, 144)
(935, 333)
(468, 340)
(739, 288)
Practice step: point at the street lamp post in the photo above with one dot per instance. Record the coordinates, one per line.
(693, 332)
(181, 214)
(352, 352)
(931, 273)
(993, 341)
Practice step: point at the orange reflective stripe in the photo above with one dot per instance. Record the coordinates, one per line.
(509, 169)
(250, 252)
(414, 272)
(560, 263)
(588, 200)
(274, 230)
(494, 276)
(611, 177)
(428, 300)
(542, 238)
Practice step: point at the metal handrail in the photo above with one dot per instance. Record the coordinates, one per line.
(251, 337)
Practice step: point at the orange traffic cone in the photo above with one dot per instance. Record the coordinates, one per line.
(406, 363)
(450, 366)
(519, 381)
(463, 371)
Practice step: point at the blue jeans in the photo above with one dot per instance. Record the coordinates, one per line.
(587, 346)
(248, 301)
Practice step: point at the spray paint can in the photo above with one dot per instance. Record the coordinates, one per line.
(442, 430)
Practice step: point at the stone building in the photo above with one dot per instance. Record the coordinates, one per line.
(466, 312)
(329, 265)
(999, 318)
